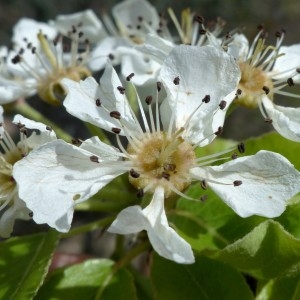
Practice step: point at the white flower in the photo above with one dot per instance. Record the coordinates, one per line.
(11, 204)
(159, 160)
(39, 60)
(265, 71)
(134, 20)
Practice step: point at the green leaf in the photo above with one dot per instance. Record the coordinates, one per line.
(93, 279)
(274, 142)
(281, 288)
(268, 251)
(210, 224)
(205, 279)
(290, 219)
(24, 262)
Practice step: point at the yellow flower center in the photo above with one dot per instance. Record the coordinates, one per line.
(161, 160)
(252, 84)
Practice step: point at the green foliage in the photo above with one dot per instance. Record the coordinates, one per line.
(93, 279)
(205, 279)
(24, 263)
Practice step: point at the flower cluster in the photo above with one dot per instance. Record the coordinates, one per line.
(167, 103)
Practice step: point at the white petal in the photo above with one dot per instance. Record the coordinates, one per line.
(17, 211)
(269, 180)
(29, 28)
(81, 100)
(61, 175)
(239, 47)
(286, 120)
(102, 150)
(165, 241)
(145, 69)
(91, 26)
(202, 71)
(156, 47)
(286, 65)
(41, 137)
(101, 52)
(129, 12)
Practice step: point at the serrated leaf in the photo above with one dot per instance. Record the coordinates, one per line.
(205, 279)
(93, 279)
(24, 262)
(268, 251)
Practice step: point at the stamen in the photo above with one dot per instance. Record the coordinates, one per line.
(94, 158)
(115, 114)
(237, 183)
(134, 174)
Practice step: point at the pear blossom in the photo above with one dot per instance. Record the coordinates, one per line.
(39, 60)
(265, 71)
(12, 206)
(160, 157)
(133, 19)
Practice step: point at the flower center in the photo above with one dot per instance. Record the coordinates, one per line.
(7, 159)
(161, 160)
(49, 87)
(252, 84)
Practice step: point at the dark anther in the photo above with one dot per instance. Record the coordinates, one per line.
(16, 59)
(222, 104)
(121, 90)
(30, 214)
(21, 51)
(234, 155)
(148, 100)
(202, 31)
(158, 86)
(76, 141)
(298, 70)
(165, 175)
(203, 184)
(115, 114)
(33, 50)
(128, 78)
(237, 182)
(111, 56)
(140, 18)
(278, 34)
(219, 131)
(290, 82)
(266, 89)
(94, 158)
(260, 27)
(140, 193)
(199, 19)
(203, 198)
(98, 102)
(238, 92)
(116, 130)
(176, 80)
(134, 174)
(206, 99)
(49, 128)
(20, 125)
(241, 147)
(138, 27)
(80, 34)
(268, 120)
